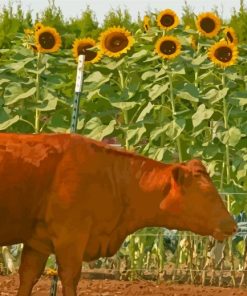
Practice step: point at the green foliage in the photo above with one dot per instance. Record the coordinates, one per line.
(86, 25)
(239, 22)
(188, 16)
(11, 23)
(119, 18)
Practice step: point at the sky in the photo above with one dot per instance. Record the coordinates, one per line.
(73, 8)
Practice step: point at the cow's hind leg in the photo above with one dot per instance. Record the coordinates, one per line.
(69, 250)
(31, 268)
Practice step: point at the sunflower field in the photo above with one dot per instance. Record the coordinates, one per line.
(168, 88)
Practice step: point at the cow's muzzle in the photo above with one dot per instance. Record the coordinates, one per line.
(226, 228)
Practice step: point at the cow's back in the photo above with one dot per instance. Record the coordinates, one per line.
(27, 166)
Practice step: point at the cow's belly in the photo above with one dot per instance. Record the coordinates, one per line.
(17, 216)
(102, 245)
(14, 232)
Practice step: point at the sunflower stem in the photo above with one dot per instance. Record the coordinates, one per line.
(180, 157)
(125, 112)
(196, 76)
(162, 117)
(37, 96)
(170, 76)
(226, 125)
(228, 176)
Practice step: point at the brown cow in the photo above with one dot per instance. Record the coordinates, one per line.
(79, 198)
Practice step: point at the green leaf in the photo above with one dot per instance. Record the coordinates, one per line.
(159, 154)
(124, 105)
(210, 151)
(15, 98)
(189, 92)
(135, 133)
(201, 114)
(148, 74)
(199, 60)
(93, 123)
(178, 69)
(157, 90)
(59, 122)
(95, 77)
(102, 131)
(3, 81)
(175, 128)
(138, 55)
(145, 111)
(4, 125)
(17, 66)
(240, 97)
(156, 132)
(49, 103)
(232, 136)
(115, 64)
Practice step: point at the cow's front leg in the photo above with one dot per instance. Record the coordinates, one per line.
(69, 249)
(31, 268)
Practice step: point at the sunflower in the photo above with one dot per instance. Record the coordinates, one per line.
(116, 41)
(230, 35)
(38, 26)
(146, 23)
(81, 46)
(167, 19)
(47, 40)
(208, 24)
(168, 47)
(223, 54)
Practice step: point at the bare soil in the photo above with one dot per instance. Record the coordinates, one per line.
(107, 287)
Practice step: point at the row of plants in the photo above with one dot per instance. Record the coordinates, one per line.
(168, 91)
(13, 21)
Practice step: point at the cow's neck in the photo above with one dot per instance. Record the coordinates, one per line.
(147, 179)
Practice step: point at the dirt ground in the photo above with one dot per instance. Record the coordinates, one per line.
(9, 285)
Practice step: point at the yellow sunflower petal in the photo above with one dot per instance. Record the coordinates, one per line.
(193, 42)
(38, 26)
(168, 47)
(223, 54)
(82, 46)
(231, 35)
(47, 40)
(208, 24)
(116, 41)
(167, 19)
(146, 23)
(28, 32)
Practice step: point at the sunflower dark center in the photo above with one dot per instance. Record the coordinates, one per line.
(47, 40)
(168, 47)
(229, 36)
(207, 24)
(223, 54)
(116, 42)
(167, 20)
(89, 54)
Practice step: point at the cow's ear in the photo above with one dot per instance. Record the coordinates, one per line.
(179, 174)
(172, 192)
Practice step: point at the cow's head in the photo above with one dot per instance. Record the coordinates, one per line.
(191, 202)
